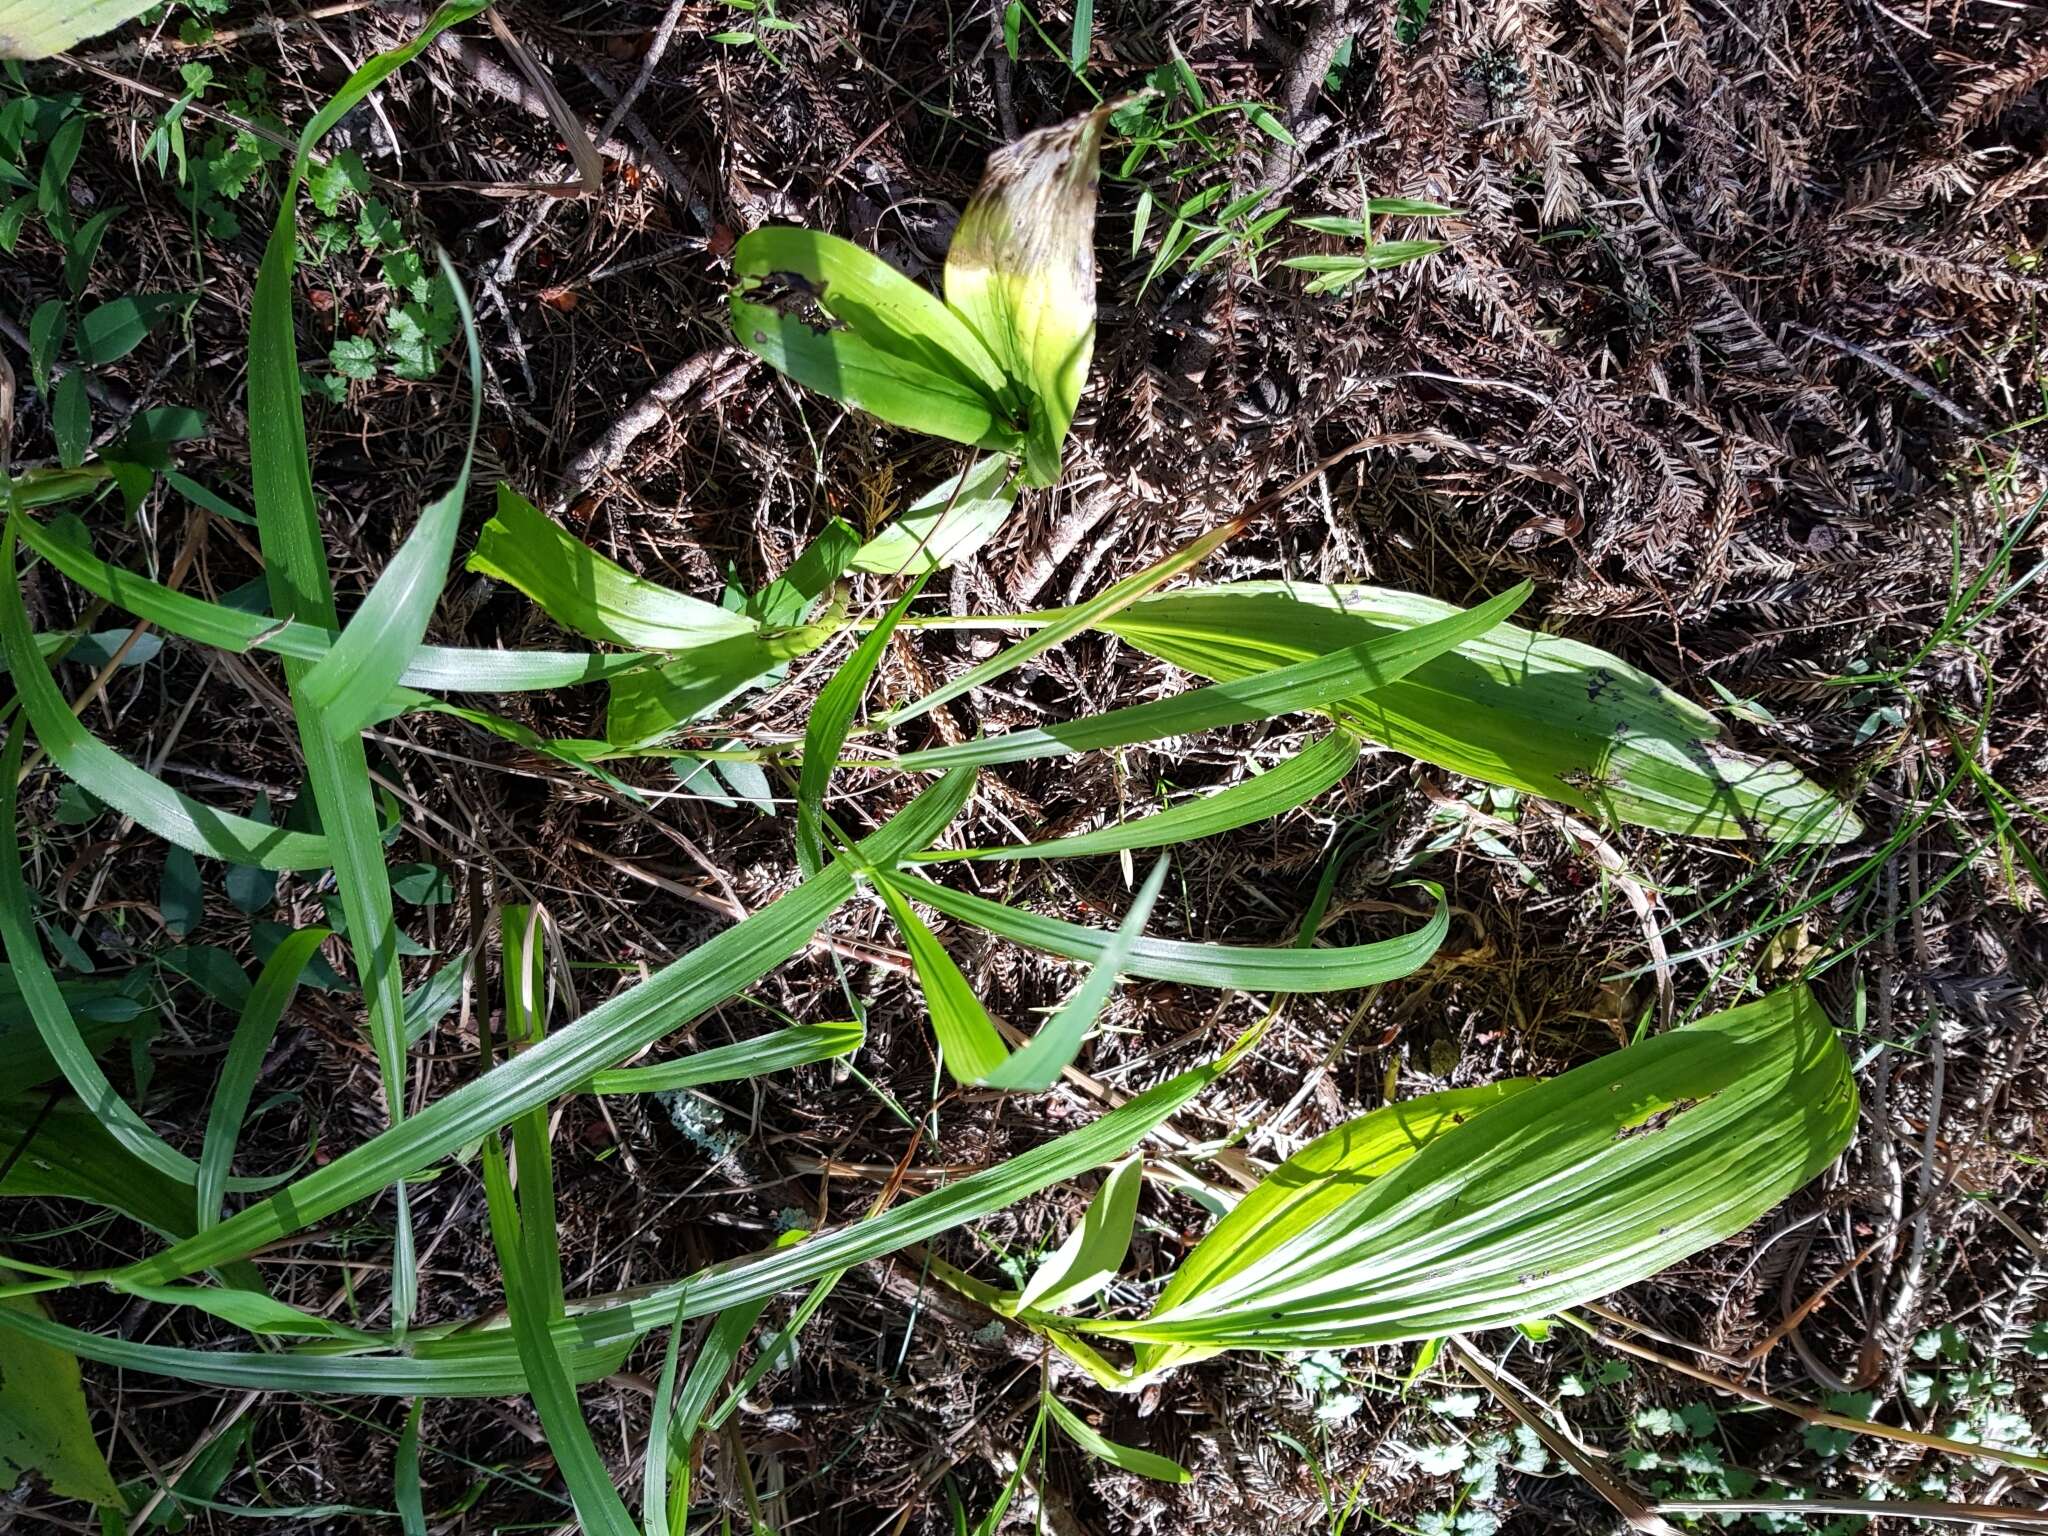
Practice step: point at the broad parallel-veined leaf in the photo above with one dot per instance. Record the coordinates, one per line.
(1564, 1191)
(434, 667)
(1317, 1181)
(1094, 1251)
(1262, 796)
(1356, 665)
(1538, 712)
(847, 324)
(710, 653)
(946, 524)
(45, 1427)
(1249, 968)
(478, 1358)
(588, 593)
(1021, 271)
(35, 29)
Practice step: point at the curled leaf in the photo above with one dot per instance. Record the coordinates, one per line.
(1021, 271)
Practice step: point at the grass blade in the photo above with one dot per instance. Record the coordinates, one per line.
(406, 1488)
(797, 1046)
(135, 793)
(1038, 1065)
(674, 995)
(825, 732)
(348, 686)
(1275, 792)
(1202, 965)
(1128, 1457)
(272, 994)
(598, 1507)
(523, 1231)
(967, 1036)
(39, 990)
(1119, 597)
(440, 668)
(466, 1361)
(1354, 670)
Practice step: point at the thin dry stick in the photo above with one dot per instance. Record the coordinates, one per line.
(1640, 1516)
(1960, 1514)
(1812, 1415)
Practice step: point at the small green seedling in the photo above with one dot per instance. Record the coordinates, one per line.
(1000, 361)
(1341, 270)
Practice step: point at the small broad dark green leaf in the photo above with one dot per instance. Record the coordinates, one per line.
(179, 896)
(46, 329)
(71, 419)
(81, 249)
(116, 328)
(423, 885)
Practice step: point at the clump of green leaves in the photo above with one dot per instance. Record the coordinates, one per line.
(1336, 272)
(999, 362)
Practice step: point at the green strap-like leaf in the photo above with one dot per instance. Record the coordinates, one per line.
(1356, 669)
(1260, 797)
(797, 1046)
(348, 686)
(1052, 1050)
(1200, 965)
(1119, 597)
(582, 590)
(39, 990)
(825, 731)
(967, 1035)
(562, 1063)
(272, 994)
(436, 667)
(1094, 1251)
(1128, 1457)
(172, 815)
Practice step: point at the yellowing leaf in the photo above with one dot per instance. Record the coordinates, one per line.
(44, 1427)
(1022, 272)
(35, 29)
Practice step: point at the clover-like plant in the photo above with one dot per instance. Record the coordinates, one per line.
(999, 362)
